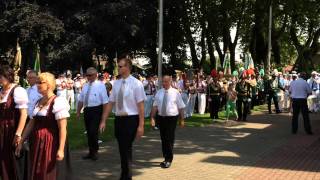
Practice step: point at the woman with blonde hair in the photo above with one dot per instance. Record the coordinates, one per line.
(48, 133)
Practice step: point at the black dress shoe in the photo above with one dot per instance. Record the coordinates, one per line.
(310, 133)
(94, 157)
(86, 157)
(165, 164)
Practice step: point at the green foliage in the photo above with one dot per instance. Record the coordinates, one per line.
(68, 31)
(32, 24)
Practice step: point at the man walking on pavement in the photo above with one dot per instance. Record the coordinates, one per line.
(94, 99)
(128, 96)
(169, 105)
(299, 91)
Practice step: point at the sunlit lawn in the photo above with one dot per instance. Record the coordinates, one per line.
(77, 137)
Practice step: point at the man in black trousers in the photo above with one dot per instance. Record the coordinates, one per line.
(94, 99)
(169, 105)
(128, 97)
(299, 92)
(273, 86)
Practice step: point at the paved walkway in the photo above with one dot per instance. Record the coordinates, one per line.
(262, 148)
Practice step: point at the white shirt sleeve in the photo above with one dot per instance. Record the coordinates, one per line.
(156, 102)
(61, 108)
(103, 94)
(180, 102)
(139, 93)
(20, 97)
(112, 97)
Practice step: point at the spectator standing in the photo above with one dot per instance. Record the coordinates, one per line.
(299, 91)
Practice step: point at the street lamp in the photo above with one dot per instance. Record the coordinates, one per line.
(160, 43)
(269, 37)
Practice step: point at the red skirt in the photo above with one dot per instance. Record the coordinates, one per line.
(8, 166)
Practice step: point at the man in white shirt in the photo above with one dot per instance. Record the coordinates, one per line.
(128, 97)
(33, 94)
(94, 99)
(312, 99)
(78, 83)
(61, 85)
(169, 105)
(299, 91)
(70, 91)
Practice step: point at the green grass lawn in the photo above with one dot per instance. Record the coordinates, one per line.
(77, 138)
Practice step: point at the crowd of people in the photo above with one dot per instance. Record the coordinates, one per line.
(36, 117)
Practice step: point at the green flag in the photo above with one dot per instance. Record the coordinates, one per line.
(37, 66)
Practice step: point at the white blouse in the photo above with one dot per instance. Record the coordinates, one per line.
(60, 109)
(20, 97)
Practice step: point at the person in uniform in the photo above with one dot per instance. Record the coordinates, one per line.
(70, 91)
(299, 91)
(150, 90)
(243, 98)
(94, 99)
(273, 86)
(61, 86)
(13, 116)
(169, 105)
(214, 92)
(128, 97)
(183, 87)
(312, 99)
(254, 93)
(78, 83)
(48, 133)
(192, 98)
(201, 90)
(261, 91)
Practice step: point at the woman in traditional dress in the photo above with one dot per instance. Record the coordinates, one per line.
(48, 133)
(13, 116)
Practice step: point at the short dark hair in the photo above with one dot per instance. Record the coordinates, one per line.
(32, 72)
(127, 58)
(7, 72)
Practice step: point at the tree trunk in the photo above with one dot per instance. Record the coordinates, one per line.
(203, 47)
(211, 51)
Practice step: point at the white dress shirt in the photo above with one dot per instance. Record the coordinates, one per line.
(299, 89)
(133, 94)
(97, 95)
(20, 97)
(60, 109)
(174, 102)
(33, 96)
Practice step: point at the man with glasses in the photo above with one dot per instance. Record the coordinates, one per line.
(169, 106)
(94, 99)
(128, 97)
(33, 94)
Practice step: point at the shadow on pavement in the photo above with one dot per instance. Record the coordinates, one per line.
(263, 137)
